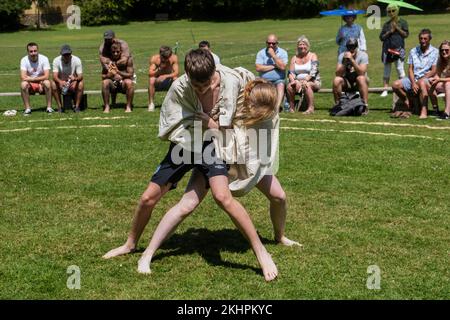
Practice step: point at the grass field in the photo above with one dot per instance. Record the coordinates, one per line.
(362, 191)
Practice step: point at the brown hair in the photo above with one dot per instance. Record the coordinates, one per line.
(116, 46)
(260, 102)
(443, 66)
(165, 51)
(199, 65)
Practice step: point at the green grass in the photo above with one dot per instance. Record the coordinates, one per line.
(357, 195)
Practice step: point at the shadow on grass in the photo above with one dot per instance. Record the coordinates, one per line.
(209, 245)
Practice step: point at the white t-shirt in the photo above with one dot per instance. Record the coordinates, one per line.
(66, 70)
(35, 69)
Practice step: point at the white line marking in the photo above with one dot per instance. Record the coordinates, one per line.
(386, 124)
(364, 132)
(283, 128)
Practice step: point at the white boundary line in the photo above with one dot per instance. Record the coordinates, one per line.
(386, 124)
(364, 132)
(283, 128)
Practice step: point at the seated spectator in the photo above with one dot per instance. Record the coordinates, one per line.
(351, 72)
(163, 71)
(67, 77)
(304, 75)
(34, 76)
(205, 45)
(422, 65)
(105, 52)
(118, 78)
(440, 83)
(271, 64)
(350, 30)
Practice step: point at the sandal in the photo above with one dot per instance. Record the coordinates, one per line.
(396, 114)
(405, 115)
(309, 111)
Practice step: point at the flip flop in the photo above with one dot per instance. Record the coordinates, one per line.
(308, 112)
(405, 115)
(396, 114)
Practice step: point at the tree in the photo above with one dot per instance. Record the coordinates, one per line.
(10, 11)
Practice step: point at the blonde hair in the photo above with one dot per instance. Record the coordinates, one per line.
(260, 103)
(305, 40)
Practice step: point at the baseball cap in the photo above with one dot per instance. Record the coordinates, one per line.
(109, 34)
(65, 49)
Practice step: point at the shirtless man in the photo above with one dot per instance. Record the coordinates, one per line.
(162, 72)
(118, 78)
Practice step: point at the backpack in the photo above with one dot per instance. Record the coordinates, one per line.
(350, 104)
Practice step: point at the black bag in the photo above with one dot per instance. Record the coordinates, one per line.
(350, 104)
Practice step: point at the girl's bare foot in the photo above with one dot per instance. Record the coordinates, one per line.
(118, 251)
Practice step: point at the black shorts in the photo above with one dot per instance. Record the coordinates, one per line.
(170, 172)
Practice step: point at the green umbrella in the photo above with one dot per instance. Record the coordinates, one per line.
(400, 3)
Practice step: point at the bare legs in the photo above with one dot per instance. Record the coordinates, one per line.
(195, 193)
(148, 201)
(271, 188)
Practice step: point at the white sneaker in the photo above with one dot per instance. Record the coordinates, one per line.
(49, 110)
(151, 107)
(27, 112)
(384, 94)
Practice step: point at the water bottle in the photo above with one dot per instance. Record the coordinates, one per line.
(66, 87)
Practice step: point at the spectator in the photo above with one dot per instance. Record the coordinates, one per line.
(350, 30)
(34, 76)
(422, 65)
(304, 75)
(118, 78)
(271, 64)
(393, 35)
(440, 83)
(67, 73)
(205, 45)
(351, 72)
(105, 49)
(162, 72)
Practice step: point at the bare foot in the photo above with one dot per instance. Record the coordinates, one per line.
(128, 110)
(119, 251)
(106, 110)
(144, 264)
(423, 116)
(268, 267)
(289, 243)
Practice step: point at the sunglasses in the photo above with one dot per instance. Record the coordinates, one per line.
(273, 43)
(392, 11)
(445, 50)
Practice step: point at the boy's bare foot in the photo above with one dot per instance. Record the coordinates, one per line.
(289, 243)
(268, 267)
(144, 264)
(118, 252)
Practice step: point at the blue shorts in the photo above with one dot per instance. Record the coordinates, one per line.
(406, 83)
(164, 85)
(170, 172)
(276, 82)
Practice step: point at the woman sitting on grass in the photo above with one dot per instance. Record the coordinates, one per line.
(304, 77)
(257, 112)
(440, 83)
